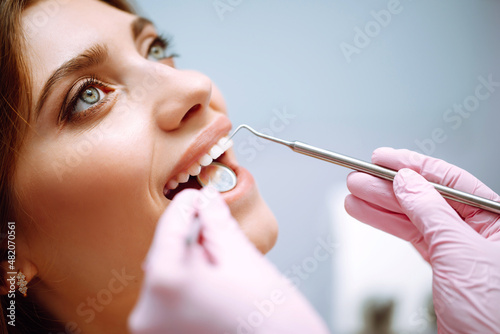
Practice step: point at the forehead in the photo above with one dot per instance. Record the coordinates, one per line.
(57, 30)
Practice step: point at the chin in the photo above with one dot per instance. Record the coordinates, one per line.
(257, 221)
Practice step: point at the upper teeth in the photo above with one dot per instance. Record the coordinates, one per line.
(216, 151)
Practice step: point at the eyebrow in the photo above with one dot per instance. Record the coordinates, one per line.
(93, 56)
(138, 26)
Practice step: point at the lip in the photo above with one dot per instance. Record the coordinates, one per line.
(201, 144)
(245, 183)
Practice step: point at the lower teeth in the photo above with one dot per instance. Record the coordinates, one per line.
(219, 176)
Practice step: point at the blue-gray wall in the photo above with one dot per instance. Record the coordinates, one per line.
(275, 57)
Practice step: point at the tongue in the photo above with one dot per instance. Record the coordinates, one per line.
(191, 183)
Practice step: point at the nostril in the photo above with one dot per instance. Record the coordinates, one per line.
(191, 112)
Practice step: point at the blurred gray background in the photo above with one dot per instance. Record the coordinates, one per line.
(344, 76)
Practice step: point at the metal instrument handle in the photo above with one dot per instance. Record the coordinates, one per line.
(389, 174)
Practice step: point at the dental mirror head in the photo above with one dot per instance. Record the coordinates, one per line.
(219, 176)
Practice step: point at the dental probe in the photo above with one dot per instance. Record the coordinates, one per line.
(375, 170)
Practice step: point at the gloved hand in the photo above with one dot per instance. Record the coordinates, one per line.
(461, 243)
(218, 283)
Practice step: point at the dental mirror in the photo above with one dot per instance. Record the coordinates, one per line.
(219, 176)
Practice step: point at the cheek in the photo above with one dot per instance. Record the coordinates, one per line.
(89, 198)
(256, 220)
(94, 179)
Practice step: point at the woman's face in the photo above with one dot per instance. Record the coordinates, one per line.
(116, 122)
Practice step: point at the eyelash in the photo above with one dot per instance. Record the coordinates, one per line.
(68, 107)
(165, 42)
(67, 115)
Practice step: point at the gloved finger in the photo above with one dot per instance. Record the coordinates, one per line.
(165, 262)
(393, 223)
(441, 172)
(169, 248)
(214, 211)
(221, 233)
(374, 190)
(428, 211)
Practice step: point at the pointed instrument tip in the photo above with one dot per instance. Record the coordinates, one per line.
(241, 127)
(261, 135)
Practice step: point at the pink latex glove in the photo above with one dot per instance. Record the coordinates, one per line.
(219, 283)
(461, 243)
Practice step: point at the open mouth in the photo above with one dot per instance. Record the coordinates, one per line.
(188, 178)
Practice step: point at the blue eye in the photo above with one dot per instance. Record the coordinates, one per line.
(158, 50)
(89, 96)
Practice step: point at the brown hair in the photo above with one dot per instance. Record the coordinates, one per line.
(15, 105)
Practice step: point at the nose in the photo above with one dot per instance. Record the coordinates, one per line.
(180, 94)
